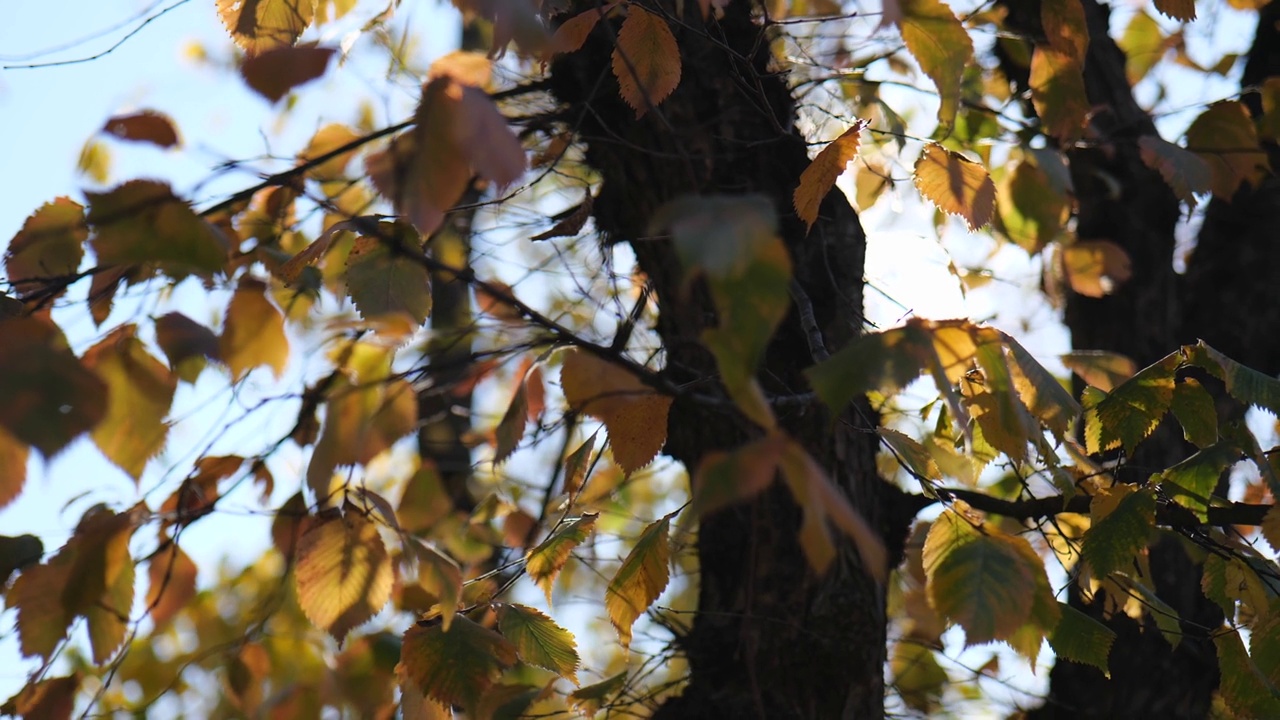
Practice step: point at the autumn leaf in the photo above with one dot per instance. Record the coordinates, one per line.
(938, 41)
(253, 334)
(17, 553)
(50, 397)
(457, 666)
(546, 560)
(510, 429)
(818, 179)
(572, 33)
(646, 60)
(385, 274)
(634, 414)
(47, 699)
(329, 139)
(1080, 638)
(1096, 268)
(143, 222)
(439, 575)
(1057, 70)
(1132, 410)
(1196, 412)
(1122, 520)
(147, 126)
(1181, 10)
(725, 478)
(139, 392)
(261, 25)
(343, 573)
(917, 677)
(538, 640)
(1243, 688)
(640, 579)
(1186, 173)
(50, 245)
(186, 343)
(13, 468)
(1032, 211)
(1225, 138)
(274, 72)
(1101, 369)
(362, 419)
(956, 184)
(424, 501)
(590, 699)
(171, 579)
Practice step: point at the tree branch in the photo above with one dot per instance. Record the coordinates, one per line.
(1168, 514)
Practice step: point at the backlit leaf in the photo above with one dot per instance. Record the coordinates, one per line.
(911, 454)
(13, 468)
(171, 577)
(1271, 527)
(575, 466)
(941, 45)
(42, 618)
(457, 666)
(510, 429)
(1144, 44)
(1101, 369)
(1226, 138)
(100, 578)
(1043, 395)
(1080, 638)
(50, 398)
(979, 578)
(327, 140)
(48, 699)
(261, 25)
(725, 478)
(634, 414)
(590, 699)
(1244, 384)
(143, 222)
(917, 677)
(538, 640)
(956, 184)
(1057, 70)
(49, 245)
(1195, 410)
(1185, 172)
(362, 419)
(818, 179)
(274, 72)
(343, 573)
(139, 392)
(545, 561)
(1243, 688)
(1122, 521)
(386, 276)
(147, 126)
(640, 579)
(253, 334)
(1132, 410)
(646, 60)
(439, 575)
(1096, 268)
(1032, 211)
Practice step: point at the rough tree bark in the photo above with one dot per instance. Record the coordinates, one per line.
(770, 640)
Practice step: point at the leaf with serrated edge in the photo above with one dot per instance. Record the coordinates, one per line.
(253, 334)
(457, 666)
(1122, 520)
(1226, 138)
(139, 392)
(142, 221)
(956, 184)
(510, 429)
(646, 60)
(1185, 172)
(545, 561)
(1080, 638)
(261, 25)
(49, 396)
(818, 179)
(539, 640)
(343, 573)
(634, 414)
(439, 575)
(589, 699)
(49, 245)
(939, 42)
(1243, 688)
(640, 579)
(1101, 369)
(1133, 409)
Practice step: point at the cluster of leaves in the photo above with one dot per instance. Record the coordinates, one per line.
(350, 552)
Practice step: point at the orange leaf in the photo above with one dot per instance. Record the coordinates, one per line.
(261, 25)
(1096, 267)
(817, 179)
(343, 573)
(147, 126)
(273, 73)
(172, 579)
(646, 61)
(573, 32)
(634, 414)
(326, 140)
(956, 184)
(13, 469)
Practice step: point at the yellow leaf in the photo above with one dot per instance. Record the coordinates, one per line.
(49, 397)
(274, 72)
(329, 139)
(343, 573)
(1185, 172)
(95, 161)
(457, 666)
(42, 618)
(171, 578)
(361, 421)
(818, 179)
(634, 414)
(646, 61)
(1096, 268)
(1103, 370)
(463, 66)
(940, 44)
(640, 579)
(545, 561)
(261, 25)
(957, 185)
(539, 641)
(253, 334)
(1226, 138)
(1057, 70)
(49, 245)
(143, 222)
(139, 392)
(147, 126)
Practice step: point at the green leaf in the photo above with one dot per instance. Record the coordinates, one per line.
(640, 579)
(589, 699)
(1080, 638)
(941, 45)
(139, 393)
(1243, 687)
(1144, 44)
(455, 667)
(1133, 409)
(1192, 481)
(50, 398)
(1213, 583)
(1244, 384)
(539, 641)
(1122, 521)
(911, 453)
(386, 276)
(545, 561)
(979, 578)
(49, 245)
(1264, 646)
(142, 222)
(1195, 410)
(917, 676)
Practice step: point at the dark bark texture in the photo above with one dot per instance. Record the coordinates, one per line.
(770, 640)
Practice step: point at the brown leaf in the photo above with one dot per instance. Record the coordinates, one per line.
(273, 73)
(147, 126)
(646, 61)
(171, 576)
(818, 179)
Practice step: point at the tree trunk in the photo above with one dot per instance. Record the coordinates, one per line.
(771, 640)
